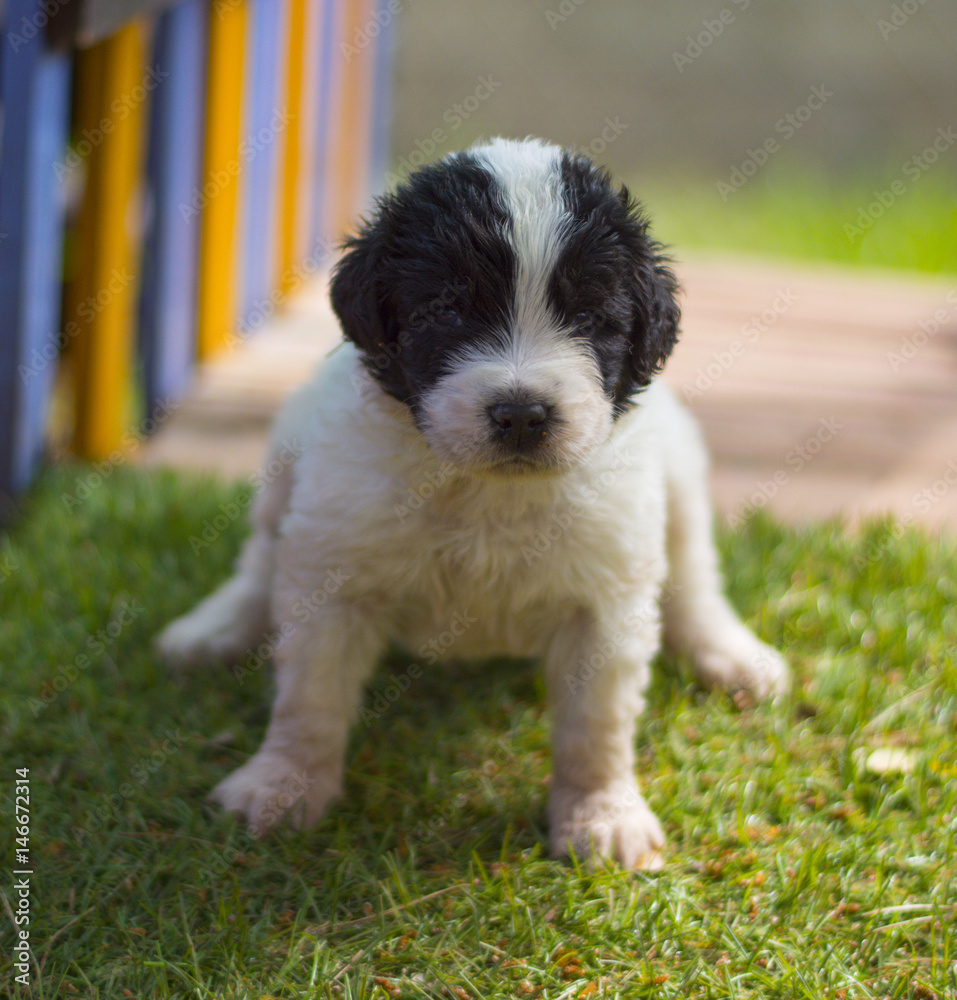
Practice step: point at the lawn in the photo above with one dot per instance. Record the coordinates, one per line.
(799, 863)
(901, 216)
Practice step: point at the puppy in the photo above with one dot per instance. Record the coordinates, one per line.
(489, 449)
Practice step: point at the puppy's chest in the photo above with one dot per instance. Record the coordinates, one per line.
(477, 539)
(490, 583)
(519, 551)
(500, 579)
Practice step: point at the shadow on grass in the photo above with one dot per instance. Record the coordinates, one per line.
(447, 759)
(441, 831)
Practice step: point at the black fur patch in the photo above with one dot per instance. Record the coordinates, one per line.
(612, 282)
(431, 272)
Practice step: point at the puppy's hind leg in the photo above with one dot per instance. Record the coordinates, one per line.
(699, 621)
(234, 617)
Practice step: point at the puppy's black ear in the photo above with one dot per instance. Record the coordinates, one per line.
(655, 312)
(359, 294)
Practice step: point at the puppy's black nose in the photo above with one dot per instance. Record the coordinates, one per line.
(519, 423)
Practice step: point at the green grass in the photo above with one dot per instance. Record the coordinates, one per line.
(791, 871)
(799, 212)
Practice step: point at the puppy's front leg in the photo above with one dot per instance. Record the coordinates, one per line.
(595, 679)
(321, 665)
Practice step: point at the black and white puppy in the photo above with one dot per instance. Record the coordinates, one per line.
(489, 447)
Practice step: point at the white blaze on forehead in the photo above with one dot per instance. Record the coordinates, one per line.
(528, 174)
(534, 358)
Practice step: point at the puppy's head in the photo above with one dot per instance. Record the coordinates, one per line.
(510, 296)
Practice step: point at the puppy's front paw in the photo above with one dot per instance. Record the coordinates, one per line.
(270, 788)
(740, 661)
(611, 822)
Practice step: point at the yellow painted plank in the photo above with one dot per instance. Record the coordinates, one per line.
(295, 138)
(114, 84)
(220, 261)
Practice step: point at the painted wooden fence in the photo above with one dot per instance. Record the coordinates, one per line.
(168, 176)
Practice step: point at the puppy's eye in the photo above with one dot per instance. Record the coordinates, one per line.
(586, 320)
(447, 316)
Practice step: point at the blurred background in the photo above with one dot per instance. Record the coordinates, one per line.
(676, 96)
(174, 178)
(176, 174)
(799, 160)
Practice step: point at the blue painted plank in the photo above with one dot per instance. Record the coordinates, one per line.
(34, 94)
(387, 11)
(266, 125)
(44, 254)
(330, 62)
(174, 169)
